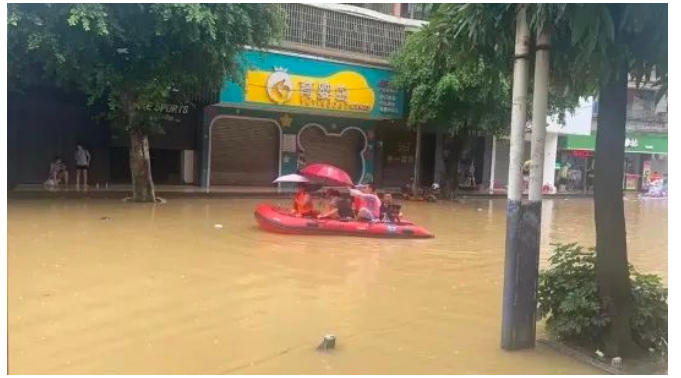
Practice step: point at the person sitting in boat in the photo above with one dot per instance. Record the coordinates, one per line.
(339, 208)
(303, 206)
(390, 212)
(368, 204)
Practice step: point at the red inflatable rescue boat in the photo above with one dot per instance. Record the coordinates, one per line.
(273, 219)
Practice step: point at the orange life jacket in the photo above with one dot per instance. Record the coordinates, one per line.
(299, 206)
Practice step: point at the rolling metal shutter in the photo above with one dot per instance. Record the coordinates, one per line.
(344, 151)
(398, 157)
(244, 152)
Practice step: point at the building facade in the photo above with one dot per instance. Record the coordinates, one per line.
(321, 94)
(573, 143)
(646, 143)
(294, 109)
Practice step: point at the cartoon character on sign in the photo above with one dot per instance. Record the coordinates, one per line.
(279, 86)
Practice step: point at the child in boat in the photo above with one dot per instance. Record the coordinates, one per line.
(368, 203)
(339, 208)
(390, 212)
(303, 206)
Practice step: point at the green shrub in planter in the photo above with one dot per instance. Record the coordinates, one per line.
(569, 301)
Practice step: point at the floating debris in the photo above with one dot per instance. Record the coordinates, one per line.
(217, 225)
(106, 219)
(600, 354)
(329, 342)
(616, 361)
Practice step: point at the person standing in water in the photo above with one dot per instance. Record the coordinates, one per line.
(82, 158)
(563, 175)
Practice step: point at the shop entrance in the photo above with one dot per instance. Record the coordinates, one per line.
(243, 151)
(165, 165)
(343, 150)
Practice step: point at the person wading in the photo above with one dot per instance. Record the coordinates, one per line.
(82, 158)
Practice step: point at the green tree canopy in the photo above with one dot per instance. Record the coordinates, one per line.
(134, 57)
(447, 95)
(589, 42)
(595, 49)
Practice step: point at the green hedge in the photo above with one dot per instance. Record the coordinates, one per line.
(569, 301)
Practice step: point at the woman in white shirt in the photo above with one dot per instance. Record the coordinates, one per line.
(82, 158)
(368, 203)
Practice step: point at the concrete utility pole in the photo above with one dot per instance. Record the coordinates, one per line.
(539, 110)
(493, 165)
(531, 227)
(517, 324)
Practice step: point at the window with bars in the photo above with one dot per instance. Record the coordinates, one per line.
(385, 8)
(325, 29)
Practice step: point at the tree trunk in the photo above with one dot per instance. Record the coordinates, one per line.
(140, 168)
(12, 151)
(417, 162)
(440, 166)
(612, 266)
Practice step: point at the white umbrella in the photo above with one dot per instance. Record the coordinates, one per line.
(291, 178)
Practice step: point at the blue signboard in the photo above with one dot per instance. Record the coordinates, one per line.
(294, 83)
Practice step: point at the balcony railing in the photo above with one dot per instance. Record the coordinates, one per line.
(385, 8)
(310, 27)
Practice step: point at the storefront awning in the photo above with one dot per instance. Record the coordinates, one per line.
(634, 143)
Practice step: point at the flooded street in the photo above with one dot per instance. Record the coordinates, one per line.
(103, 287)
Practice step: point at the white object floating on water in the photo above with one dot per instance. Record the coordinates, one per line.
(600, 354)
(479, 209)
(217, 225)
(616, 361)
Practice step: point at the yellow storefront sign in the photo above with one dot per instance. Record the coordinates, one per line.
(344, 91)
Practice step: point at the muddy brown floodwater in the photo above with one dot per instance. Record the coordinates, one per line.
(104, 287)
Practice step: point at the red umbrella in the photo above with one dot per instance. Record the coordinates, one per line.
(327, 173)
